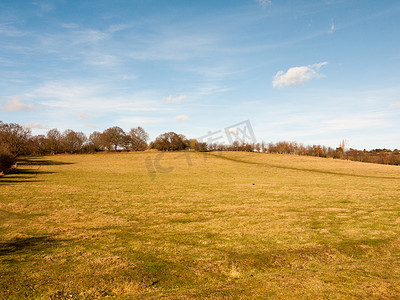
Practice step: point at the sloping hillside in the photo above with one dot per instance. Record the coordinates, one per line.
(196, 225)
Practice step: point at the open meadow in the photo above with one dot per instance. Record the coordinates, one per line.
(199, 225)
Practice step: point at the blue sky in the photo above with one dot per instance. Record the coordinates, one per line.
(309, 71)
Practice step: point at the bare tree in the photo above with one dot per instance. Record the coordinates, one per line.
(138, 137)
(114, 136)
(14, 137)
(170, 141)
(72, 141)
(95, 141)
(54, 141)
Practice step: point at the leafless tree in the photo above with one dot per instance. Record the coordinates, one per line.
(138, 137)
(14, 137)
(72, 141)
(54, 141)
(170, 141)
(114, 136)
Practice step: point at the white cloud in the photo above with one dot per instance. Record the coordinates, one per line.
(10, 30)
(35, 125)
(89, 36)
(395, 104)
(210, 89)
(177, 99)
(264, 3)
(79, 97)
(45, 7)
(82, 117)
(98, 59)
(297, 75)
(332, 30)
(356, 122)
(16, 104)
(134, 121)
(69, 25)
(91, 125)
(172, 44)
(182, 118)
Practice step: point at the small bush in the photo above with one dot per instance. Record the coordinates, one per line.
(7, 160)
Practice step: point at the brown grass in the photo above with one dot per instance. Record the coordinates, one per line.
(233, 225)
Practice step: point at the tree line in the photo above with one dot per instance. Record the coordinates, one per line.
(17, 140)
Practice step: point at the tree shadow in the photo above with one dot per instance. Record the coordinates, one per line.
(35, 172)
(27, 244)
(7, 181)
(262, 164)
(40, 162)
(24, 175)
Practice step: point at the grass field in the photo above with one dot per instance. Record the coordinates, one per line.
(217, 225)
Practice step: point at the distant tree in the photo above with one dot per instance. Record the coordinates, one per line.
(114, 136)
(293, 146)
(72, 141)
(54, 141)
(235, 146)
(201, 147)
(193, 144)
(138, 137)
(317, 151)
(170, 141)
(263, 147)
(105, 141)
(14, 138)
(185, 141)
(38, 145)
(94, 141)
(126, 142)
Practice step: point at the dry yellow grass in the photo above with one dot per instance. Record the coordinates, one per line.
(219, 225)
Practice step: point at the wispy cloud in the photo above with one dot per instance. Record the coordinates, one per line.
(100, 59)
(332, 29)
(264, 3)
(356, 122)
(91, 125)
(16, 104)
(175, 99)
(35, 125)
(134, 121)
(81, 97)
(209, 89)
(43, 6)
(8, 29)
(182, 118)
(69, 25)
(297, 75)
(174, 45)
(316, 127)
(88, 36)
(395, 104)
(82, 117)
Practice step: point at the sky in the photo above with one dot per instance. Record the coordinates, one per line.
(311, 71)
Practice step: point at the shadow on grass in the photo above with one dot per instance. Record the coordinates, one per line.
(23, 175)
(7, 181)
(40, 162)
(299, 169)
(26, 244)
(35, 172)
